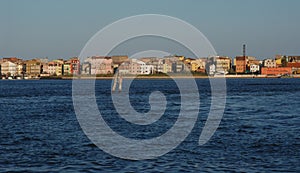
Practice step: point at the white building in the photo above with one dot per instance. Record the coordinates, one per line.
(55, 67)
(124, 68)
(9, 68)
(19, 68)
(212, 69)
(270, 63)
(139, 67)
(86, 68)
(254, 68)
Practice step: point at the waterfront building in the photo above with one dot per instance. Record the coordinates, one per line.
(8, 68)
(75, 66)
(187, 64)
(253, 65)
(276, 71)
(86, 68)
(295, 67)
(278, 60)
(44, 66)
(124, 68)
(167, 68)
(198, 65)
(67, 68)
(156, 63)
(178, 67)
(139, 67)
(106, 66)
(55, 67)
(223, 64)
(254, 68)
(33, 68)
(240, 66)
(71, 66)
(21, 68)
(212, 69)
(100, 65)
(270, 63)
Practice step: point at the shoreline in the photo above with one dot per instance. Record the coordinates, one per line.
(158, 77)
(180, 77)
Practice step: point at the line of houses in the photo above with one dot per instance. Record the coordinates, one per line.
(106, 65)
(35, 68)
(280, 65)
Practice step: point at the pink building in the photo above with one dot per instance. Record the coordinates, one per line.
(100, 65)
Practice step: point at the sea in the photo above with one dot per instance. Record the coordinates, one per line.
(259, 130)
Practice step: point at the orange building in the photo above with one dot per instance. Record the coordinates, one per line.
(276, 70)
(240, 64)
(295, 66)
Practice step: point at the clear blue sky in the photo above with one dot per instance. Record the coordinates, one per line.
(60, 28)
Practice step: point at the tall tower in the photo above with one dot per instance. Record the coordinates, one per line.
(244, 50)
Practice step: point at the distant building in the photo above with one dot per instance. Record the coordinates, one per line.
(124, 68)
(212, 69)
(188, 64)
(55, 67)
(254, 68)
(278, 60)
(8, 68)
(139, 67)
(33, 68)
(86, 68)
(106, 66)
(223, 64)
(100, 65)
(270, 63)
(135, 67)
(166, 67)
(75, 66)
(21, 68)
(240, 66)
(158, 66)
(198, 65)
(178, 67)
(295, 67)
(276, 70)
(67, 68)
(44, 66)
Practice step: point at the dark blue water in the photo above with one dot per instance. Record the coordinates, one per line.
(259, 131)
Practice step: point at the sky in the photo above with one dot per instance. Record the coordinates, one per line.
(61, 28)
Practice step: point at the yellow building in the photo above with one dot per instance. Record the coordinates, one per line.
(33, 67)
(223, 64)
(278, 59)
(198, 65)
(67, 68)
